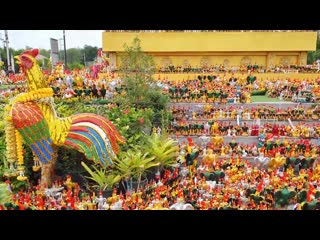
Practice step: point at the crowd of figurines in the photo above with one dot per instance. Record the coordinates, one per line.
(209, 184)
(221, 89)
(244, 121)
(279, 170)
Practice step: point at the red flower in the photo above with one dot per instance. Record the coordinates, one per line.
(126, 111)
(141, 120)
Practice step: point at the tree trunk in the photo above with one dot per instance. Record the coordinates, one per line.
(47, 170)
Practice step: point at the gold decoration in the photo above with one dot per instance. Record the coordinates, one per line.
(204, 62)
(185, 63)
(166, 61)
(226, 62)
(285, 61)
(245, 61)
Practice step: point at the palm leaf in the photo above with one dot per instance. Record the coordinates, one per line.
(104, 179)
(165, 150)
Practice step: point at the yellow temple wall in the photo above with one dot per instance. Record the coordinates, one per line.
(270, 76)
(229, 48)
(228, 59)
(211, 41)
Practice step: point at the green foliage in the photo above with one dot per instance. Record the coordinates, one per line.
(133, 124)
(259, 93)
(74, 55)
(4, 194)
(45, 53)
(137, 69)
(156, 100)
(66, 108)
(2, 143)
(17, 185)
(104, 178)
(75, 65)
(68, 162)
(314, 55)
(310, 57)
(134, 163)
(3, 163)
(164, 149)
(90, 53)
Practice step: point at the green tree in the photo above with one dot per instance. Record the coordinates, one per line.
(45, 53)
(137, 69)
(75, 65)
(73, 55)
(314, 55)
(90, 53)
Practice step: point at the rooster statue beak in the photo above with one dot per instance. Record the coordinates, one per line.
(18, 59)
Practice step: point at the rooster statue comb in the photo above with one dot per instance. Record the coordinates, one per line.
(31, 118)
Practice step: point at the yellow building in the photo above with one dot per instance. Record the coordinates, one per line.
(230, 48)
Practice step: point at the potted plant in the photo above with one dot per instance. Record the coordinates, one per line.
(164, 149)
(104, 178)
(133, 165)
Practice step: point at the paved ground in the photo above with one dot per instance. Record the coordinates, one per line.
(239, 139)
(280, 105)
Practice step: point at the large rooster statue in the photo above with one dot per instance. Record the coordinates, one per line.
(31, 117)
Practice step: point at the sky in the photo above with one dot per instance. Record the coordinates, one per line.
(19, 39)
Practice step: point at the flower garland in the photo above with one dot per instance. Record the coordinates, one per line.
(11, 142)
(33, 96)
(19, 147)
(14, 146)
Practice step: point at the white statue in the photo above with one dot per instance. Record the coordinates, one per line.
(204, 140)
(181, 205)
(117, 205)
(261, 160)
(229, 132)
(244, 153)
(206, 128)
(100, 200)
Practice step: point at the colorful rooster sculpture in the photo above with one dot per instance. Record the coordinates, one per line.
(31, 117)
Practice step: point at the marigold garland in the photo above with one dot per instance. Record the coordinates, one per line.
(19, 147)
(11, 142)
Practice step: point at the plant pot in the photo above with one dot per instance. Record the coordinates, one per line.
(105, 193)
(143, 183)
(150, 176)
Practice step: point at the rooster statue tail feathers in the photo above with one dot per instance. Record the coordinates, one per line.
(95, 136)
